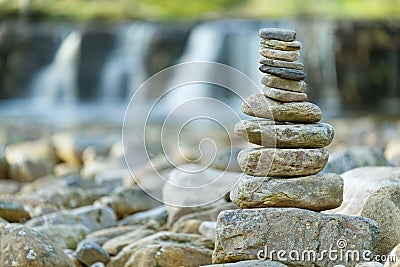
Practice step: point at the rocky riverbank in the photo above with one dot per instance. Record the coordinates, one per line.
(67, 199)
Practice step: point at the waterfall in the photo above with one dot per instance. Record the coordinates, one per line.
(125, 69)
(232, 42)
(57, 82)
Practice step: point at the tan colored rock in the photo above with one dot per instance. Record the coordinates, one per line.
(165, 255)
(193, 247)
(21, 246)
(284, 95)
(103, 235)
(245, 233)
(315, 192)
(268, 133)
(280, 55)
(280, 45)
(383, 206)
(297, 112)
(285, 84)
(30, 160)
(114, 245)
(276, 162)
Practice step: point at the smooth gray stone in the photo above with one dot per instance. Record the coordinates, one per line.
(278, 34)
(281, 63)
(268, 133)
(284, 73)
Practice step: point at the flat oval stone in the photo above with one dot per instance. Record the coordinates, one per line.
(284, 95)
(285, 84)
(314, 192)
(280, 55)
(280, 45)
(270, 134)
(278, 34)
(277, 162)
(284, 73)
(282, 64)
(299, 112)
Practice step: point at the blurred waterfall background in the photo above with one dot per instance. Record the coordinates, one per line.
(48, 67)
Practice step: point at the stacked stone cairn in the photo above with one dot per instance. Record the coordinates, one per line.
(281, 193)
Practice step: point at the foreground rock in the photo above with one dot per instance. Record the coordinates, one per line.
(277, 162)
(383, 206)
(302, 112)
(272, 134)
(165, 249)
(21, 246)
(94, 218)
(289, 229)
(315, 192)
(359, 183)
(66, 236)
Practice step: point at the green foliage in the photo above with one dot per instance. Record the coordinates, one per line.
(198, 9)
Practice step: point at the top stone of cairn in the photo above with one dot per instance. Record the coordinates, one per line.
(278, 34)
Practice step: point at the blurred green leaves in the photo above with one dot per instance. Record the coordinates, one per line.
(198, 9)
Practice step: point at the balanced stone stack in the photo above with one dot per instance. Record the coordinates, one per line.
(282, 192)
(283, 171)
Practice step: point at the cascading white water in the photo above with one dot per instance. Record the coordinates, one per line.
(232, 42)
(126, 65)
(57, 82)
